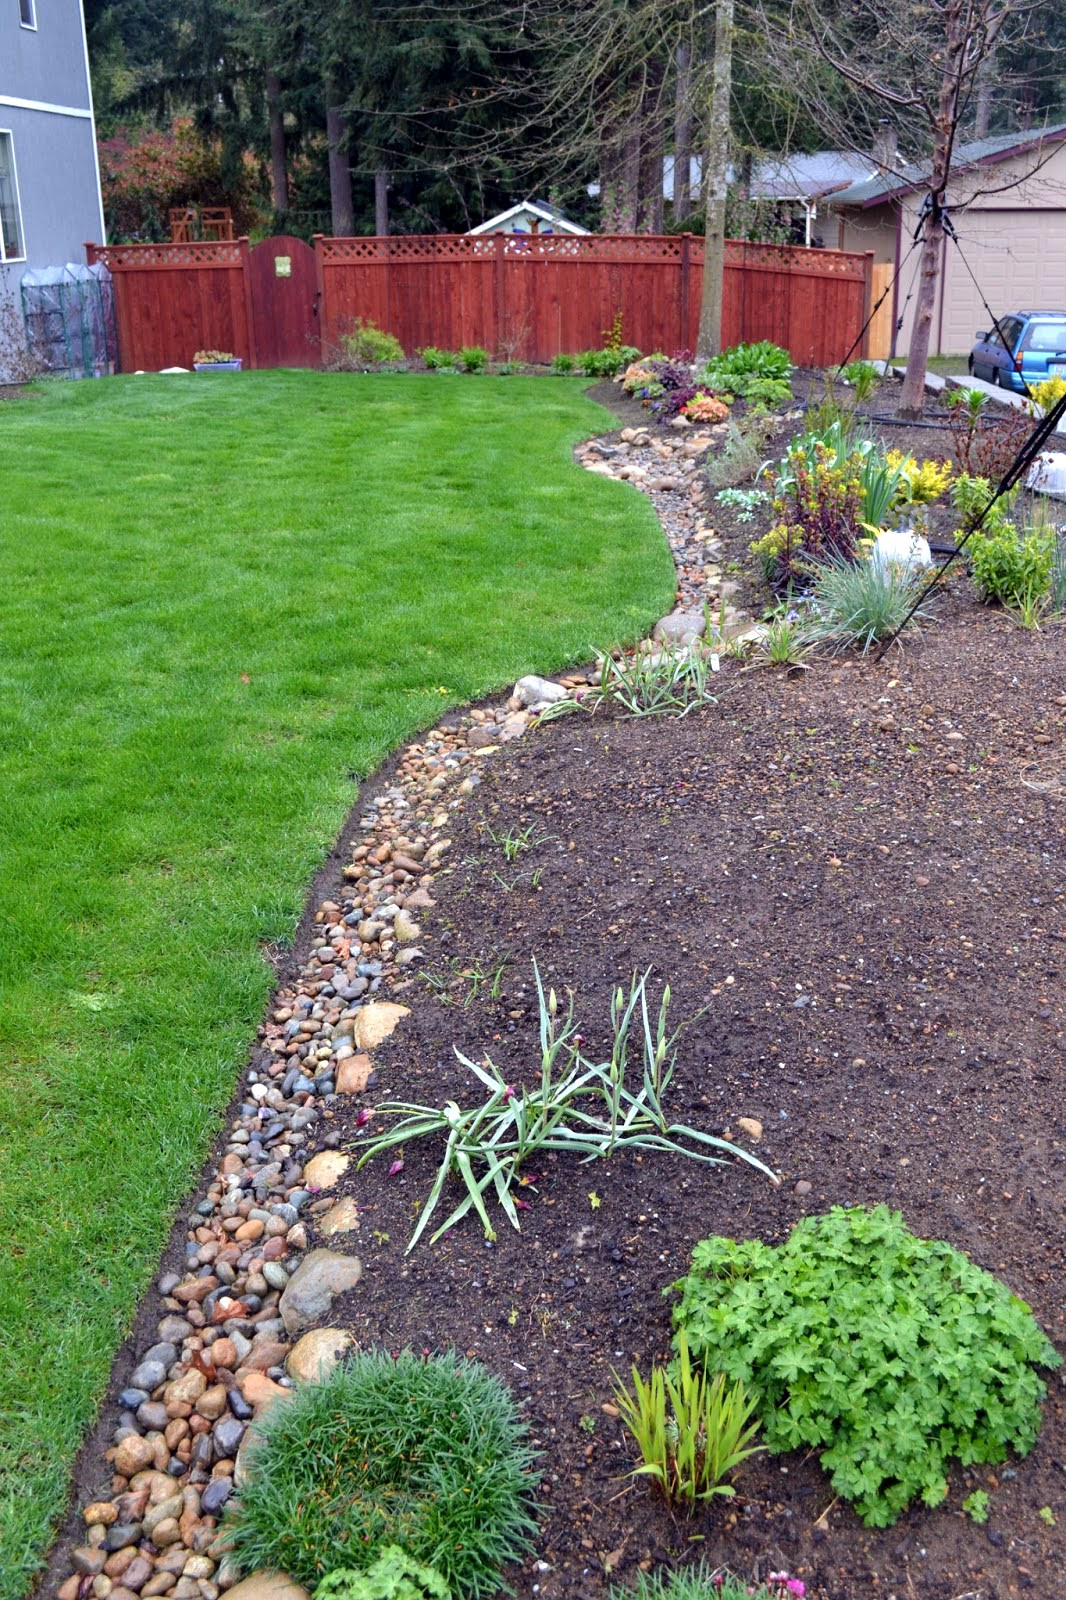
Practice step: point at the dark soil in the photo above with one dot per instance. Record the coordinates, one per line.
(854, 881)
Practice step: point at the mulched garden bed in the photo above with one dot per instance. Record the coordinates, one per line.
(853, 880)
(856, 875)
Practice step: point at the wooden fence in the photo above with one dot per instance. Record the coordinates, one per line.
(524, 296)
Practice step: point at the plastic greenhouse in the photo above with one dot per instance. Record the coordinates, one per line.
(69, 314)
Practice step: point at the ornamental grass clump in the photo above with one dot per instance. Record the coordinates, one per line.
(889, 1354)
(858, 603)
(584, 1108)
(692, 1430)
(424, 1453)
(706, 1583)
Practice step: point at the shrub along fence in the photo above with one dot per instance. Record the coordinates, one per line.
(522, 296)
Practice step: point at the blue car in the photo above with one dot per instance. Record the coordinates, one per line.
(1029, 346)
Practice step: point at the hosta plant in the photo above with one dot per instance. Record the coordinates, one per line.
(890, 1355)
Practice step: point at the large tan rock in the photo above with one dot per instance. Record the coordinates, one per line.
(310, 1292)
(340, 1218)
(326, 1169)
(375, 1022)
(269, 1586)
(314, 1356)
(353, 1073)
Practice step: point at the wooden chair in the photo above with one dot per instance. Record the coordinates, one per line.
(182, 224)
(216, 222)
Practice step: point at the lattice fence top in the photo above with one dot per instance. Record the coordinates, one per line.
(623, 247)
(513, 246)
(196, 253)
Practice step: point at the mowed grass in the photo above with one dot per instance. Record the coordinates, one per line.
(224, 599)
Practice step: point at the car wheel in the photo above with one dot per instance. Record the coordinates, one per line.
(969, 365)
(995, 377)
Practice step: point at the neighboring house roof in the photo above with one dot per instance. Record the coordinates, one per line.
(530, 208)
(785, 177)
(979, 152)
(806, 177)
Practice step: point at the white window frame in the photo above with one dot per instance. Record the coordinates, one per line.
(6, 133)
(32, 24)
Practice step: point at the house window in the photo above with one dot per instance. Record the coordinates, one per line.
(28, 13)
(12, 244)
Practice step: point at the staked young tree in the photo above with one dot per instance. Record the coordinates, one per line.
(922, 61)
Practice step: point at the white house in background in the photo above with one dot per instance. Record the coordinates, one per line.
(797, 184)
(49, 178)
(528, 216)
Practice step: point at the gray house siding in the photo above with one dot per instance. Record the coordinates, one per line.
(46, 106)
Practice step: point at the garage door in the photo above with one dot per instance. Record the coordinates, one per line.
(1017, 257)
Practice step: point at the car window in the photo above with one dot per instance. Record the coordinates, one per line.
(1047, 336)
(1010, 328)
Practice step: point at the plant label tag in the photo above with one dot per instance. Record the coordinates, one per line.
(715, 662)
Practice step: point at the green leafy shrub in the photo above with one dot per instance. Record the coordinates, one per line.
(861, 602)
(759, 372)
(366, 345)
(863, 377)
(606, 363)
(393, 1576)
(427, 1454)
(691, 1430)
(1012, 567)
(473, 358)
(889, 1354)
(563, 364)
(819, 507)
(436, 359)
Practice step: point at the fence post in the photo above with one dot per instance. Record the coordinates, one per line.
(249, 308)
(500, 244)
(90, 253)
(320, 293)
(867, 305)
(686, 264)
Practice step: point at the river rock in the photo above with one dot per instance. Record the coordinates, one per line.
(680, 627)
(326, 1169)
(375, 1022)
(534, 691)
(268, 1586)
(310, 1293)
(340, 1218)
(317, 1353)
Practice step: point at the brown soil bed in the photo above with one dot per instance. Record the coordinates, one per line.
(858, 872)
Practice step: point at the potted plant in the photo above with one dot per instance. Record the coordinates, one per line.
(216, 361)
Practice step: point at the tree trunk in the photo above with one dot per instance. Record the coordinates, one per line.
(340, 174)
(912, 398)
(279, 177)
(650, 207)
(381, 201)
(715, 184)
(983, 87)
(683, 136)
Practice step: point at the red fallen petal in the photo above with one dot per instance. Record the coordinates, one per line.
(523, 1205)
(397, 1166)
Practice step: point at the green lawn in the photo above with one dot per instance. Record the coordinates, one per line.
(223, 599)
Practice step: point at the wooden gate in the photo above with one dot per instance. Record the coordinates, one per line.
(285, 303)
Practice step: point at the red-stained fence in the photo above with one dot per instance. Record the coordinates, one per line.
(524, 296)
